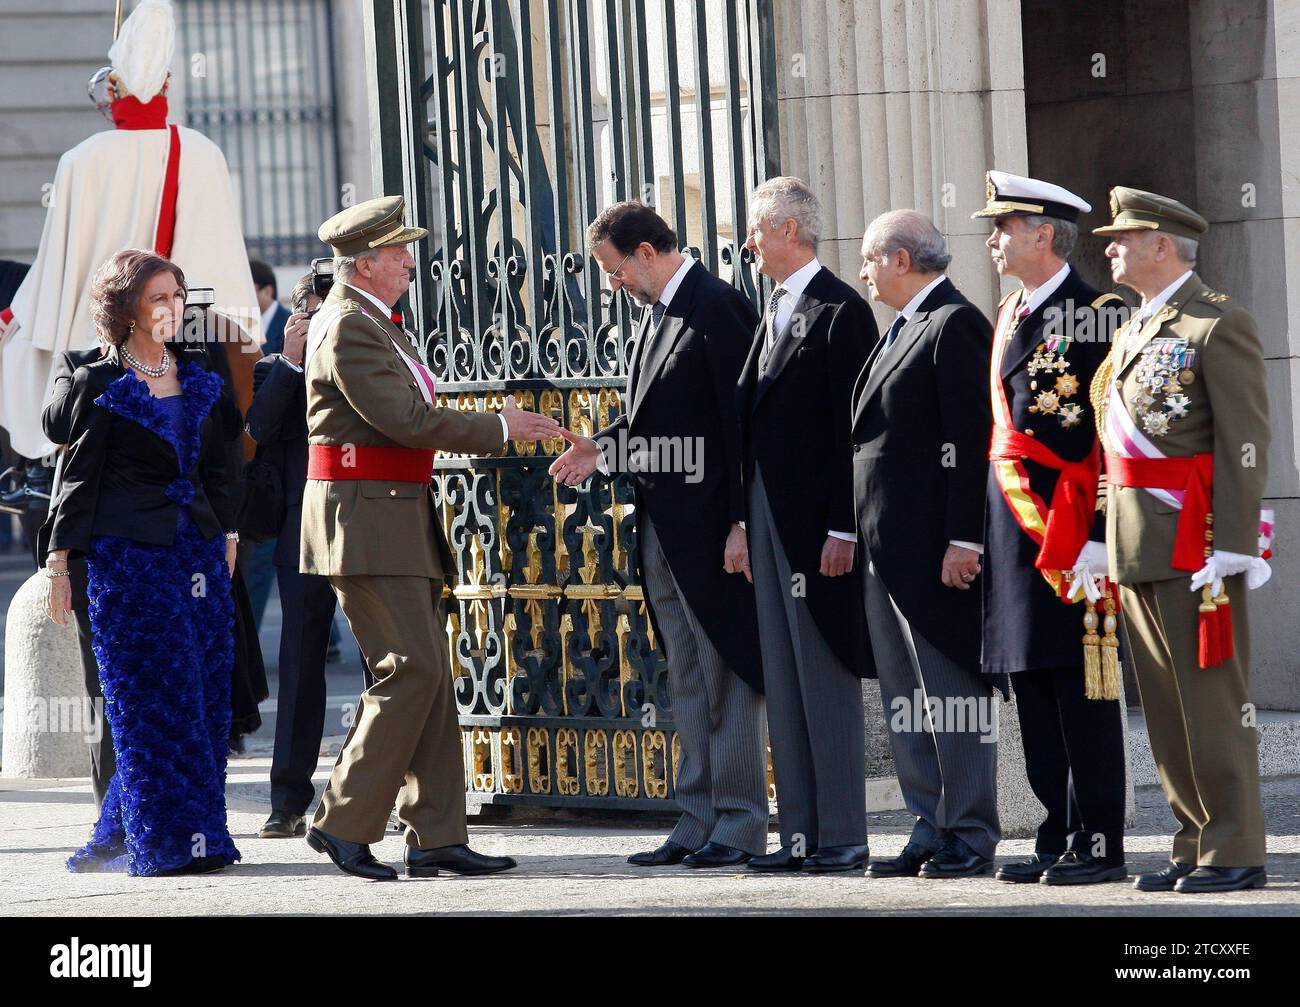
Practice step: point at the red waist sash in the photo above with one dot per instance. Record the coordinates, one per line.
(401, 465)
(1194, 475)
(1074, 501)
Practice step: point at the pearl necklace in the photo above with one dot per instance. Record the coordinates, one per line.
(153, 372)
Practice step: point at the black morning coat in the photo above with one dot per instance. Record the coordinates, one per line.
(1026, 626)
(921, 422)
(795, 424)
(682, 386)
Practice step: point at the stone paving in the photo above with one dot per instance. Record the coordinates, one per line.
(574, 865)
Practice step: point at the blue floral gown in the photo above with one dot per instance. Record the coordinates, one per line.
(162, 619)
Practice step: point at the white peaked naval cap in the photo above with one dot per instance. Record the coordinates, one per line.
(143, 50)
(1009, 194)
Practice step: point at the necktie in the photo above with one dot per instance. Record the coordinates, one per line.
(656, 314)
(769, 333)
(894, 329)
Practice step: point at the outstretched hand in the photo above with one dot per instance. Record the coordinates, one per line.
(528, 426)
(579, 461)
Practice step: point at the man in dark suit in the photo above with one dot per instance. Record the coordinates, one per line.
(274, 314)
(920, 464)
(1048, 342)
(681, 401)
(795, 398)
(277, 420)
(259, 561)
(56, 420)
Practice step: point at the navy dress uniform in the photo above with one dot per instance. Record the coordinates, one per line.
(1043, 470)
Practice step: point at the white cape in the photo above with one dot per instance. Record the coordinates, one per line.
(107, 195)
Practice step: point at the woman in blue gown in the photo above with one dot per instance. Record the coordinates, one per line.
(145, 496)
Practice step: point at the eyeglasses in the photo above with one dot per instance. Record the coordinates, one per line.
(615, 273)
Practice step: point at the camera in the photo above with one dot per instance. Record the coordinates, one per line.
(194, 322)
(322, 276)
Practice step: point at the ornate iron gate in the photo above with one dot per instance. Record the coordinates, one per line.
(532, 115)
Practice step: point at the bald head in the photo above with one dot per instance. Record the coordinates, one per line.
(902, 252)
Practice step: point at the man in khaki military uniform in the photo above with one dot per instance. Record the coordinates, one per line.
(369, 524)
(1183, 413)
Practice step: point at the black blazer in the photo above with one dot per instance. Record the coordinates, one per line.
(682, 386)
(277, 420)
(921, 424)
(1026, 626)
(126, 471)
(795, 418)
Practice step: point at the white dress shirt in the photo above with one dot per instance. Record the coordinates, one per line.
(794, 284)
(1150, 307)
(1047, 289)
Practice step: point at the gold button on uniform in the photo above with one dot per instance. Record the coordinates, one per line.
(1029, 433)
(392, 493)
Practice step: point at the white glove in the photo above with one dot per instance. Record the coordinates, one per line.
(1222, 564)
(1090, 570)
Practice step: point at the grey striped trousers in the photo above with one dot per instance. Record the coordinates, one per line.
(814, 703)
(948, 775)
(722, 775)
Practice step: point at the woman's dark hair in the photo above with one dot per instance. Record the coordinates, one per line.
(626, 225)
(302, 290)
(116, 289)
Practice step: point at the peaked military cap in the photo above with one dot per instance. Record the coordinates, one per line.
(1008, 194)
(372, 224)
(1137, 210)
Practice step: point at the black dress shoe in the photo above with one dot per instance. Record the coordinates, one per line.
(1163, 881)
(1027, 872)
(1076, 868)
(837, 858)
(350, 858)
(1221, 879)
(197, 865)
(717, 855)
(906, 865)
(665, 856)
(955, 859)
(782, 860)
(283, 825)
(459, 859)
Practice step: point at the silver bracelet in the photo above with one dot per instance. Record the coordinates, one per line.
(232, 536)
(55, 573)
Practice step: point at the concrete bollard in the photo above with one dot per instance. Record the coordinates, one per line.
(47, 715)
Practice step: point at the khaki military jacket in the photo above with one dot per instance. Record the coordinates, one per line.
(1193, 381)
(359, 392)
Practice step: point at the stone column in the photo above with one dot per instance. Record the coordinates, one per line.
(1245, 77)
(884, 105)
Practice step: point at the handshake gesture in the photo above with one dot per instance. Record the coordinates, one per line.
(577, 463)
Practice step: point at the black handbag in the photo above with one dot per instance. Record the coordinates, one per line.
(262, 508)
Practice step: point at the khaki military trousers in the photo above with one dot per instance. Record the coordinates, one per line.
(1199, 722)
(404, 745)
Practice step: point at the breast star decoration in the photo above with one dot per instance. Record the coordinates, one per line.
(1049, 358)
(1163, 369)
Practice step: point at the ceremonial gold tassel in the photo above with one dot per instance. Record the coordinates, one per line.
(1092, 673)
(1110, 685)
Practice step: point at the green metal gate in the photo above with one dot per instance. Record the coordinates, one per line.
(508, 124)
